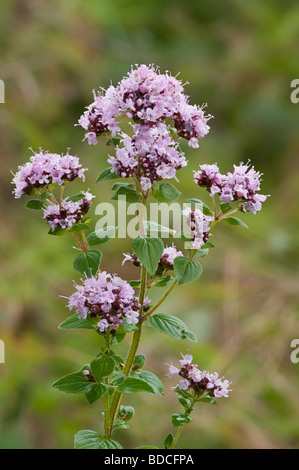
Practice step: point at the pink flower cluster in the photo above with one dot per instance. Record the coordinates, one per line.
(147, 97)
(200, 381)
(45, 168)
(108, 297)
(166, 261)
(151, 154)
(240, 185)
(199, 224)
(67, 213)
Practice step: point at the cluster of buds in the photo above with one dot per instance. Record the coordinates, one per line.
(150, 154)
(67, 213)
(107, 297)
(199, 224)
(201, 382)
(240, 185)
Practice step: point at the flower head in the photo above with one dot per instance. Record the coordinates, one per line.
(45, 168)
(199, 224)
(198, 381)
(107, 297)
(240, 185)
(67, 212)
(150, 153)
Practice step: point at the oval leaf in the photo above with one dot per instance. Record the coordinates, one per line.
(88, 263)
(87, 439)
(101, 367)
(133, 385)
(171, 326)
(106, 175)
(73, 383)
(148, 251)
(186, 270)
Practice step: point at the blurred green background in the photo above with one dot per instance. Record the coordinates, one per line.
(239, 57)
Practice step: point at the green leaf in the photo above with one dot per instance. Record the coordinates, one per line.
(96, 391)
(117, 379)
(45, 196)
(225, 207)
(235, 221)
(57, 231)
(102, 366)
(138, 360)
(133, 385)
(202, 252)
(87, 439)
(78, 227)
(152, 228)
(171, 326)
(106, 175)
(168, 441)
(186, 270)
(114, 141)
(152, 380)
(147, 447)
(165, 192)
(148, 251)
(183, 393)
(202, 206)
(180, 419)
(76, 197)
(74, 322)
(121, 184)
(126, 413)
(185, 402)
(127, 327)
(120, 424)
(88, 263)
(35, 204)
(131, 194)
(101, 236)
(209, 400)
(164, 281)
(135, 283)
(76, 382)
(208, 245)
(189, 335)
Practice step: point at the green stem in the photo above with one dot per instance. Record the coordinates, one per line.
(157, 305)
(176, 437)
(84, 241)
(223, 216)
(106, 403)
(77, 240)
(115, 405)
(106, 397)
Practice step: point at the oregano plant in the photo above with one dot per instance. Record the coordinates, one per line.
(141, 161)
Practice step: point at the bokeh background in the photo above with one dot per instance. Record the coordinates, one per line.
(240, 58)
